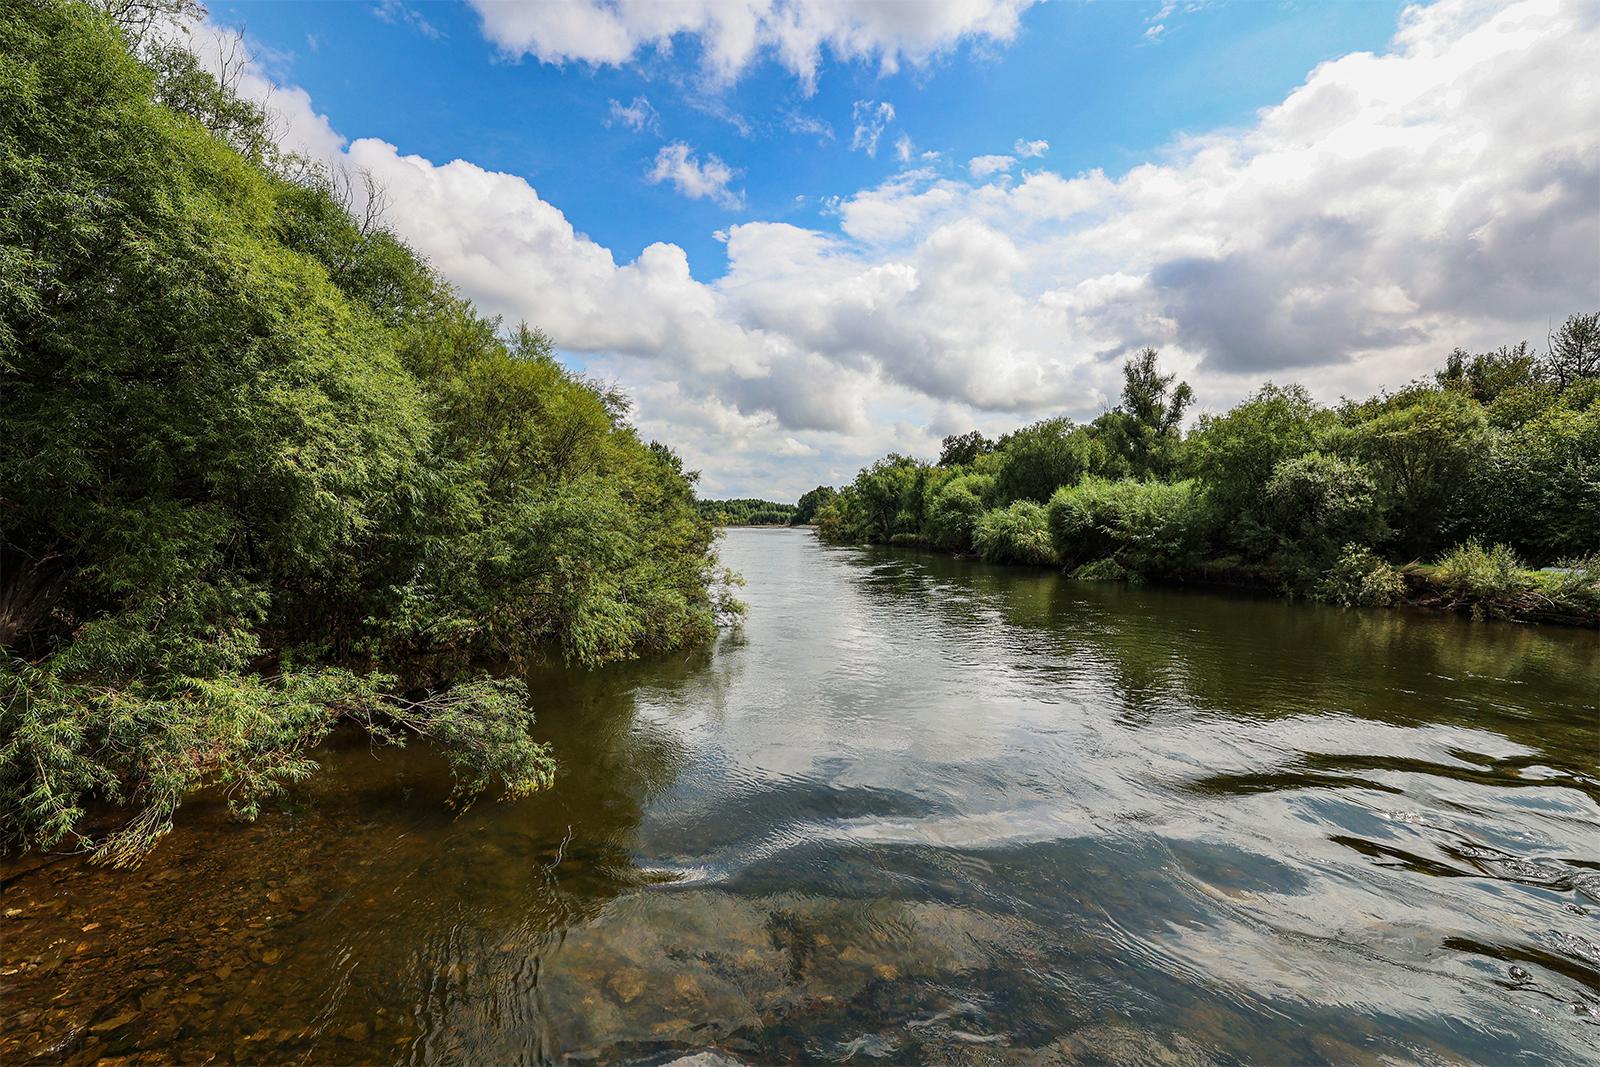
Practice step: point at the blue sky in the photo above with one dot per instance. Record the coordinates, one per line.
(804, 234)
(1084, 77)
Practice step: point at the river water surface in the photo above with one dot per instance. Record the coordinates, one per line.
(915, 810)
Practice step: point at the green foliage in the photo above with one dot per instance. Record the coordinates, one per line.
(149, 744)
(1015, 534)
(1470, 569)
(1502, 445)
(1575, 351)
(1486, 376)
(953, 515)
(1571, 589)
(887, 499)
(1423, 445)
(805, 510)
(1311, 506)
(1147, 528)
(1143, 430)
(1039, 459)
(842, 520)
(265, 471)
(959, 450)
(1233, 456)
(1538, 484)
(747, 512)
(1360, 579)
(1493, 581)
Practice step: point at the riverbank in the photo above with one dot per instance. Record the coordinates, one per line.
(1472, 582)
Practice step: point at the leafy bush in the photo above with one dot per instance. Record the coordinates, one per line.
(954, 513)
(1234, 455)
(1311, 506)
(1471, 570)
(1104, 570)
(842, 520)
(1538, 487)
(1149, 528)
(1359, 579)
(1423, 446)
(1015, 534)
(1572, 587)
(149, 745)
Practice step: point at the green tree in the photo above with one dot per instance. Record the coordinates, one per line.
(1575, 351)
(1145, 528)
(805, 510)
(1537, 487)
(954, 512)
(265, 472)
(1489, 374)
(1144, 429)
(1015, 534)
(1037, 460)
(1423, 445)
(1233, 456)
(1310, 509)
(960, 450)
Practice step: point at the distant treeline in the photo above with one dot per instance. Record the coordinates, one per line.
(1446, 491)
(747, 512)
(766, 512)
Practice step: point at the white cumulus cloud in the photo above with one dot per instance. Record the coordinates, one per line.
(1388, 209)
(676, 164)
(983, 166)
(734, 34)
(1030, 149)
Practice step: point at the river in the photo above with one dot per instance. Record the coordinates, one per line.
(914, 810)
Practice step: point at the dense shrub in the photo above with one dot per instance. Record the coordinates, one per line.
(1233, 456)
(1311, 506)
(1015, 534)
(842, 520)
(1359, 579)
(954, 513)
(1423, 446)
(1149, 528)
(1538, 486)
(1472, 570)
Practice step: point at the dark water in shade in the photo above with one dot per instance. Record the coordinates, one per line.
(916, 811)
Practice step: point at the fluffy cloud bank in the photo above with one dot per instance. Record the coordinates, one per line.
(733, 34)
(1389, 209)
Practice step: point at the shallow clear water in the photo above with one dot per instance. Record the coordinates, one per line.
(915, 810)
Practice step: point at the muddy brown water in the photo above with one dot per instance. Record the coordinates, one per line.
(916, 810)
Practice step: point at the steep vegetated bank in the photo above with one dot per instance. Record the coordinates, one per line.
(1447, 493)
(265, 470)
